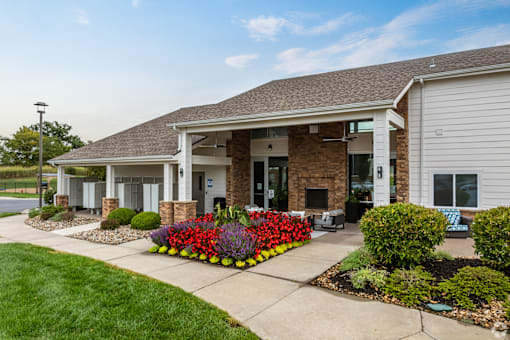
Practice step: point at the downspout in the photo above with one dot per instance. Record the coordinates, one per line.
(422, 95)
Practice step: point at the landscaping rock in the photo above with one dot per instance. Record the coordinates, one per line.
(117, 236)
(79, 219)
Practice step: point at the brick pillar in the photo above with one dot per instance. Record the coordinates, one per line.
(184, 210)
(239, 173)
(109, 204)
(166, 211)
(62, 200)
(403, 154)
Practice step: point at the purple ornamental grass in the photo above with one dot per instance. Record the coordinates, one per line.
(159, 237)
(182, 226)
(235, 242)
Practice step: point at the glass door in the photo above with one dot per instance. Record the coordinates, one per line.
(259, 187)
(278, 183)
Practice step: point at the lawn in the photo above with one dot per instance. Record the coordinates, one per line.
(7, 214)
(24, 183)
(51, 295)
(18, 195)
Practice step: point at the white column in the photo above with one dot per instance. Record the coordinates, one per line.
(381, 161)
(110, 181)
(60, 180)
(168, 182)
(185, 167)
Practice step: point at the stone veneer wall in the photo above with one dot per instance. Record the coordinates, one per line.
(403, 154)
(239, 173)
(313, 163)
(62, 200)
(166, 211)
(109, 204)
(184, 210)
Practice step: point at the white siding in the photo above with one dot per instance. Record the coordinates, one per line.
(218, 175)
(466, 126)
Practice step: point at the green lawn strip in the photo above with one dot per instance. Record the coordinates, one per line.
(6, 214)
(18, 195)
(24, 183)
(50, 295)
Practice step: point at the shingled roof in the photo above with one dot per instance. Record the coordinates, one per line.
(357, 85)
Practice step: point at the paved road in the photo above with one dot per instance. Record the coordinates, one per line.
(17, 204)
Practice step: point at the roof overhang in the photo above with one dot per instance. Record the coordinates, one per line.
(158, 159)
(357, 111)
(464, 72)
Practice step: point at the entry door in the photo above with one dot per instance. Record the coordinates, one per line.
(259, 183)
(198, 192)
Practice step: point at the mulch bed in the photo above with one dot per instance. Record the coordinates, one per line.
(117, 236)
(486, 315)
(79, 219)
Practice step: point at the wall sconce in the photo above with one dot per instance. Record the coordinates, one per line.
(181, 172)
(379, 172)
(270, 147)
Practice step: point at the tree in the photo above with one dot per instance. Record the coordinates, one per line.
(61, 132)
(23, 147)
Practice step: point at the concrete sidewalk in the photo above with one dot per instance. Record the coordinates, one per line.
(273, 299)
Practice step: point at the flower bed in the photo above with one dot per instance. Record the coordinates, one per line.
(241, 241)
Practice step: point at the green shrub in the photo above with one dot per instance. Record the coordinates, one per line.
(154, 249)
(146, 220)
(54, 209)
(227, 261)
(34, 212)
(46, 215)
(123, 215)
(109, 224)
(357, 259)
(411, 286)
(214, 259)
(480, 282)
(48, 196)
(63, 216)
(402, 234)
(440, 255)
(361, 277)
(491, 233)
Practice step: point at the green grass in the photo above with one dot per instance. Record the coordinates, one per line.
(51, 295)
(18, 195)
(7, 214)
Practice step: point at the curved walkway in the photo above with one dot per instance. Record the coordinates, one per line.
(273, 299)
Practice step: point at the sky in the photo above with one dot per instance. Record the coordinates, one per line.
(104, 66)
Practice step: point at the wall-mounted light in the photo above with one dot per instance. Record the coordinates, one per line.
(181, 172)
(270, 147)
(379, 172)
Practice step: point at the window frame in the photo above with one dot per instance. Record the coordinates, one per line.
(454, 174)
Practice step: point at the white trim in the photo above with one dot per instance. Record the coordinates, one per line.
(433, 172)
(168, 182)
(465, 72)
(402, 93)
(211, 160)
(110, 181)
(396, 119)
(60, 180)
(158, 159)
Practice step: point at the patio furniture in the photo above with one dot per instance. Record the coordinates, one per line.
(459, 226)
(329, 220)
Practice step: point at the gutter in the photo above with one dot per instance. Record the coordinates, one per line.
(422, 96)
(136, 159)
(379, 104)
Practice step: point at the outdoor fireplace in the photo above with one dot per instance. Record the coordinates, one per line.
(316, 198)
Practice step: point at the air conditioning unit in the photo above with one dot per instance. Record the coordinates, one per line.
(152, 194)
(130, 195)
(93, 193)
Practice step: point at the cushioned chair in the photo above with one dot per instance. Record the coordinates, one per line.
(329, 220)
(459, 226)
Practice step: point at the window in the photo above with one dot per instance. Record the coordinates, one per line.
(456, 190)
(269, 132)
(363, 126)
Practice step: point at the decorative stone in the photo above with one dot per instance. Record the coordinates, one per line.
(439, 307)
(62, 200)
(109, 204)
(184, 210)
(166, 211)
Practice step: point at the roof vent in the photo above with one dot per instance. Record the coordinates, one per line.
(432, 63)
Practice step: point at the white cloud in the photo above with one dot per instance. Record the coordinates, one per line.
(135, 3)
(240, 61)
(267, 28)
(81, 16)
(385, 43)
(482, 37)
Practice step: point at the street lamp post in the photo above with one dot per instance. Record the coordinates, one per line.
(41, 109)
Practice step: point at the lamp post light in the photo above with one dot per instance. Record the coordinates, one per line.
(41, 109)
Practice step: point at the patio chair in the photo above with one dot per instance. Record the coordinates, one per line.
(459, 226)
(329, 220)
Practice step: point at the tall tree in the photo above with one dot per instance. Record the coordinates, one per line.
(61, 132)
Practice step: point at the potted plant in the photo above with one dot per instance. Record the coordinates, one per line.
(352, 208)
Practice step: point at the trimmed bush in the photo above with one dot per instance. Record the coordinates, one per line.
(402, 234)
(146, 220)
(54, 209)
(109, 224)
(357, 259)
(123, 215)
(63, 216)
(480, 282)
(491, 233)
(34, 212)
(46, 215)
(411, 286)
(373, 277)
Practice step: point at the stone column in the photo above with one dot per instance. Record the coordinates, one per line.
(184, 210)
(109, 204)
(166, 211)
(239, 173)
(402, 178)
(62, 200)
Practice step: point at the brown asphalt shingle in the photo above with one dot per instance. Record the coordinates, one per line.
(358, 85)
